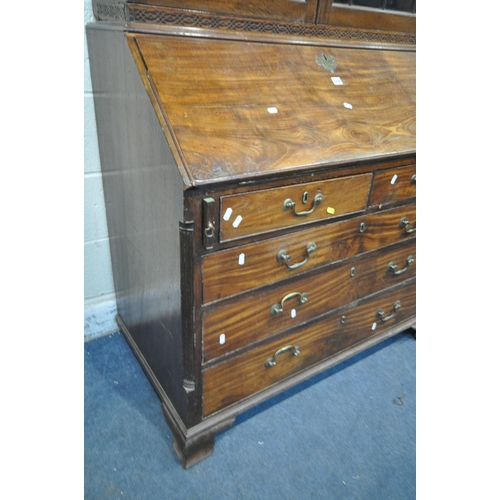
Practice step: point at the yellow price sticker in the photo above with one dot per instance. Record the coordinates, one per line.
(330, 210)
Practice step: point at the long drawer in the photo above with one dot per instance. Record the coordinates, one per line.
(257, 369)
(263, 211)
(246, 267)
(255, 316)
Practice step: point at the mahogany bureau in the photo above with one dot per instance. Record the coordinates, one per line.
(260, 188)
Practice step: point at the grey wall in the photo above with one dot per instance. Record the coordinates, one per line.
(99, 296)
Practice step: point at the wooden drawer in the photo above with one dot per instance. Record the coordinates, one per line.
(244, 375)
(255, 316)
(237, 270)
(262, 211)
(393, 185)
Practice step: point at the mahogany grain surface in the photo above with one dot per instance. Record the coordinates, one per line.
(393, 185)
(224, 276)
(250, 319)
(193, 118)
(215, 95)
(244, 375)
(263, 211)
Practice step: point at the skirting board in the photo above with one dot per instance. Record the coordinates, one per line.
(100, 318)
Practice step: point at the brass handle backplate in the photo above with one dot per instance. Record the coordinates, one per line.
(393, 268)
(289, 204)
(404, 223)
(283, 256)
(270, 362)
(279, 308)
(381, 314)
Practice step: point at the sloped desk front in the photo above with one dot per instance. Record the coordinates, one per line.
(261, 211)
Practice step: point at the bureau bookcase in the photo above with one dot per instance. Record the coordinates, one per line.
(259, 173)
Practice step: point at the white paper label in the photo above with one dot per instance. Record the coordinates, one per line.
(394, 178)
(227, 214)
(222, 338)
(241, 259)
(347, 105)
(374, 326)
(293, 313)
(337, 80)
(272, 110)
(237, 221)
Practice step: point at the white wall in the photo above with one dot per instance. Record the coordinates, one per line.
(99, 296)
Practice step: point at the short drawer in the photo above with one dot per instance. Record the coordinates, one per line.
(255, 370)
(393, 185)
(259, 315)
(246, 267)
(263, 211)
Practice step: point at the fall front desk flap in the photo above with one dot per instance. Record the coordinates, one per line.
(235, 109)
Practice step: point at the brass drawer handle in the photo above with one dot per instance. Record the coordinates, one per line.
(393, 268)
(279, 308)
(210, 230)
(381, 314)
(404, 223)
(272, 361)
(290, 204)
(284, 257)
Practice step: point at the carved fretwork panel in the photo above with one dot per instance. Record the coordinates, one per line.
(372, 21)
(170, 17)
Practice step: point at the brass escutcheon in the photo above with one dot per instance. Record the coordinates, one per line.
(289, 204)
(326, 61)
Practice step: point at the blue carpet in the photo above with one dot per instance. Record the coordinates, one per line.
(348, 433)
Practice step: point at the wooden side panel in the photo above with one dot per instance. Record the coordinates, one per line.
(144, 205)
(251, 319)
(279, 10)
(245, 375)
